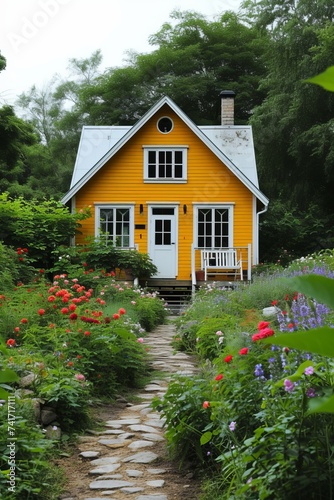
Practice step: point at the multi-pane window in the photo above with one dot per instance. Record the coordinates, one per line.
(114, 225)
(213, 228)
(165, 165)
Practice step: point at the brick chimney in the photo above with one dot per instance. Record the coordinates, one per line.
(227, 107)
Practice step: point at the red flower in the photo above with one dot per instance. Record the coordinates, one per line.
(41, 312)
(116, 316)
(70, 363)
(243, 351)
(121, 311)
(17, 329)
(10, 342)
(274, 302)
(206, 404)
(228, 358)
(24, 320)
(87, 333)
(64, 310)
(51, 298)
(262, 334)
(219, 377)
(73, 316)
(263, 324)
(72, 307)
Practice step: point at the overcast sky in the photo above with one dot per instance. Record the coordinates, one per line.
(38, 37)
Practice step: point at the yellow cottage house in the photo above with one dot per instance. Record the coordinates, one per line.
(187, 195)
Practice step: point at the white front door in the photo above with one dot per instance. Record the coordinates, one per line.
(163, 240)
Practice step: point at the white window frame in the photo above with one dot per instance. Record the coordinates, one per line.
(166, 180)
(114, 206)
(227, 206)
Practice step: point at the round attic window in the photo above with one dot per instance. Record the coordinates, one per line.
(165, 125)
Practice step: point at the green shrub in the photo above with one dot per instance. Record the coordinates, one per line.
(150, 312)
(35, 476)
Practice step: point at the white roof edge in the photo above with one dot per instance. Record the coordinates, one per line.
(165, 100)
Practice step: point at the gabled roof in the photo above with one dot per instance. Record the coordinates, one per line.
(233, 145)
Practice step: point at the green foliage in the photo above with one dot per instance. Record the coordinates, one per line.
(150, 312)
(37, 227)
(185, 417)
(270, 430)
(36, 477)
(97, 255)
(324, 79)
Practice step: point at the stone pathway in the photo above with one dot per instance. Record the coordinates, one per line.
(128, 460)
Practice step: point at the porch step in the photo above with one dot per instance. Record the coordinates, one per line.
(176, 293)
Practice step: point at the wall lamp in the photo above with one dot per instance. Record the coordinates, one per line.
(184, 209)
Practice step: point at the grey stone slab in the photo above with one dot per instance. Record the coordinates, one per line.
(113, 432)
(123, 421)
(144, 457)
(109, 484)
(140, 407)
(154, 422)
(158, 483)
(89, 454)
(106, 476)
(156, 471)
(152, 388)
(152, 497)
(136, 445)
(105, 461)
(153, 437)
(105, 469)
(142, 428)
(134, 473)
(134, 489)
(114, 443)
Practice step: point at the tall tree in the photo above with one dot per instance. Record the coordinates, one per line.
(2, 62)
(293, 125)
(195, 59)
(16, 136)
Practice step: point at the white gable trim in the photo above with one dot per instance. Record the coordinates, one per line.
(166, 100)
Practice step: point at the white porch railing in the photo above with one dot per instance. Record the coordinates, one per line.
(234, 261)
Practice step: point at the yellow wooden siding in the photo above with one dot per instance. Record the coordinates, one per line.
(120, 180)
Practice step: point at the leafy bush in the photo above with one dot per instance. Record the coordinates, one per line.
(37, 226)
(254, 405)
(35, 477)
(150, 312)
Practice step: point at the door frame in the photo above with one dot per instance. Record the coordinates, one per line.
(151, 228)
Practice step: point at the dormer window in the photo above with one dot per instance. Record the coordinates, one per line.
(165, 164)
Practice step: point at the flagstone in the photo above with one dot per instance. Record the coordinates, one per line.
(144, 457)
(134, 473)
(125, 421)
(89, 454)
(156, 471)
(105, 461)
(136, 445)
(109, 484)
(105, 469)
(153, 437)
(158, 483)
(133, 489)
(142, 428)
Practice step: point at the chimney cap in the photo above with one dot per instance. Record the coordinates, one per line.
(227, 93)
